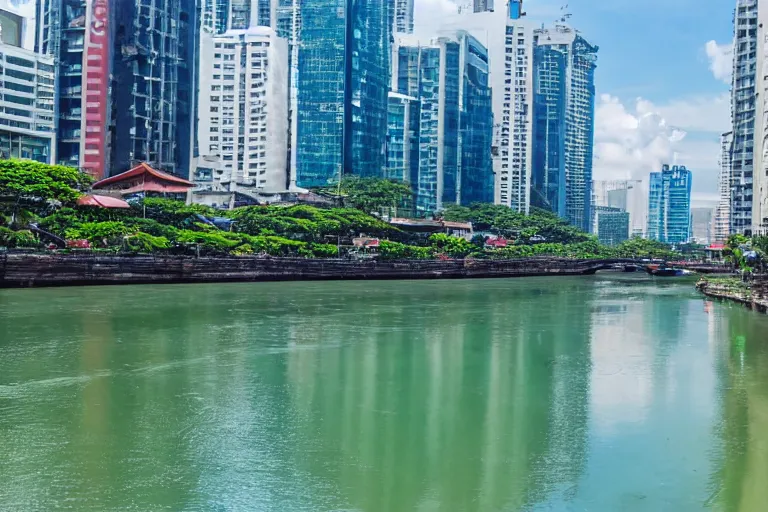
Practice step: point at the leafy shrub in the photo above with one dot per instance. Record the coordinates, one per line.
(14, 239)
(451, 245)
(324, 250)
(213, 242)
(144, 242)
(174, 213)
(105, 233)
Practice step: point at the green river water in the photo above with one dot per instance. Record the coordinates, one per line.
(605, 393)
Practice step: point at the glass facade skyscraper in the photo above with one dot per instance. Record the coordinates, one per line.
(476, 125)
(564, 118)
(153, 84)
(403, 138)
(449, 78)
(669, 205)
(342, 87)
(743, 110)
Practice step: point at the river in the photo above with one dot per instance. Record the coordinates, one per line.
(604, 393)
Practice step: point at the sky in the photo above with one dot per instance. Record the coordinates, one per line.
(662, 80)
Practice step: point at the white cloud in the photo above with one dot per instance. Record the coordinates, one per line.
(720, 60)
(633, 140)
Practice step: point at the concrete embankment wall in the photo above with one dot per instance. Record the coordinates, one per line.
(754, 297)
(25, 270)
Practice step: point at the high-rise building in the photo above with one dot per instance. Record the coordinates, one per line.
(402, 16)
(513, 114)
(723, 211)
(449, 77)
(243, 116)
(342, 87)
(153, 85)
(611, 225)
(403, 138)
(669, 205)
(482, 5)
(760, 177)
(564, 116)
(476, 178)
(743, 110)
(27, 88)
(223, 15)
(701, 225)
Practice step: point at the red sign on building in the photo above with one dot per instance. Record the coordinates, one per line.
(93, 145)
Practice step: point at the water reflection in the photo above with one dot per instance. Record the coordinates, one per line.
(544, 394)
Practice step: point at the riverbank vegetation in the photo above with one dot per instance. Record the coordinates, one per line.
(38, 209)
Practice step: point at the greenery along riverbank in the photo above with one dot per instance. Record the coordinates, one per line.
(37, 195)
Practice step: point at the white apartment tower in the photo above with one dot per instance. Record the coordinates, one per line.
(722, 219)
(513, 117)
(242, 116)
(760, 174)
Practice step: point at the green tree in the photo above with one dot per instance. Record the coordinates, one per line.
(373, 195)
(31, 186)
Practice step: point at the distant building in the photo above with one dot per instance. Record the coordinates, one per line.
(27, 89)
(403, 138)
(701, 225)
(402, 16)
(342, 90)
(669, 205)
(223, 15)
(743, 112)
(722, 222)
(628, 195)
(482, 5)
(564, 118)
(611, 225)
(243, 116)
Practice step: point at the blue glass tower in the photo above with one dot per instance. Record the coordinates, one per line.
(669, 205)
(548, 179)
(476, 165)
(564, 119)
(343, 82)
(403, 138)
(449, 80)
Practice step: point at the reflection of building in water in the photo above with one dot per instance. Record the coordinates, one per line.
(743, 473)
(444, 377)
(622, 355)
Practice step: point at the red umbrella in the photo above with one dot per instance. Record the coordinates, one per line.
(102, 202)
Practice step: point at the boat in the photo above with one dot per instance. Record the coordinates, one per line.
(665, 271)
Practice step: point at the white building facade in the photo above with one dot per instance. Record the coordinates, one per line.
(513, 117)
(722, 219)
(760, 174)
(243, 118)
(27, 88)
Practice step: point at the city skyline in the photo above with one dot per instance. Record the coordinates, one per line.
(133, 130)
(674, 86)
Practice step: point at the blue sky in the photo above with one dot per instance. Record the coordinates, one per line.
(662, 97)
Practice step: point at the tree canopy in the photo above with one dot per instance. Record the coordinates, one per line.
(504, 221)
(372, 195)
(33, 183)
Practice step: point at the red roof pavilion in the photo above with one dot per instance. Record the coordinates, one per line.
(144, 178)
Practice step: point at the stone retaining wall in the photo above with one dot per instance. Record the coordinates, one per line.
(24, 270)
